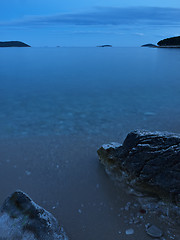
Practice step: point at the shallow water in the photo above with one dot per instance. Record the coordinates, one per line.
(87, 91)
(58, 105)
(62, 174)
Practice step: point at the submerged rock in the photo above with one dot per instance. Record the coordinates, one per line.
(154, 231)
(129, 231)
(149, 161)
(22, 219)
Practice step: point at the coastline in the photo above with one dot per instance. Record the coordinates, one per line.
(156, 46)
(178, 46)
(63, 175)
(97, 102)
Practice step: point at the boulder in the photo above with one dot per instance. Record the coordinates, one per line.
(148, 161)
(23, 219)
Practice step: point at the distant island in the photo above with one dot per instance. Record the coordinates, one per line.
(13, 44)
(173, 42)
(149, 45)
(107, 45)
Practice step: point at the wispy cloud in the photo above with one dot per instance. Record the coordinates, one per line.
(105, 16)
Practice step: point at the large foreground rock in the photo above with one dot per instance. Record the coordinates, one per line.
(150, 162)
(22, 219)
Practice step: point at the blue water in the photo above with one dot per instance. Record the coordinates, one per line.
(88, 91)
(58, 105)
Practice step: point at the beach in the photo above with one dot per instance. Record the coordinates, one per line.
(63, 175)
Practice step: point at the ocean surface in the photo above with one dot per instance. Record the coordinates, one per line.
(58, 105)
(88, 91)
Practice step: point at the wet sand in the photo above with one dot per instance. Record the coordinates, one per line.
(63, 175)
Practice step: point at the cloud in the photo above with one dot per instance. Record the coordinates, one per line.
(104, 16)
(139, 34)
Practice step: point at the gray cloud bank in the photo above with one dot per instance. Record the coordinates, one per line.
(105, 16)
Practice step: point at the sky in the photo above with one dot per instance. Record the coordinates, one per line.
(52, 23)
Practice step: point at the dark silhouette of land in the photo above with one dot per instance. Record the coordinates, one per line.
(173, 42)
(13, 44)
(150, 45)
(107, 45)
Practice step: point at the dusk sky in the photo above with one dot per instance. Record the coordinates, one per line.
(89, 22)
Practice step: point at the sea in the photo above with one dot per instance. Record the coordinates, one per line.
(59, 105)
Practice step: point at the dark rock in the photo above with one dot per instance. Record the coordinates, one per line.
(149, 45)
(150, 162)
(13, 44)
(173, 41)
(23, 219)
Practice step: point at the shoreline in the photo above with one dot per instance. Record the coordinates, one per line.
(156, 46)
(63, 175)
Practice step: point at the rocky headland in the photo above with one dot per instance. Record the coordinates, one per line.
(173, 42)
(170, 42)
(13, 44)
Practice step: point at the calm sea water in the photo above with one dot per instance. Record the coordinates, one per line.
(58, 105)
(88, 91)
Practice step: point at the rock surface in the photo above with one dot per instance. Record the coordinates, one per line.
(13, 44)
(22, 219)
(149, 161)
